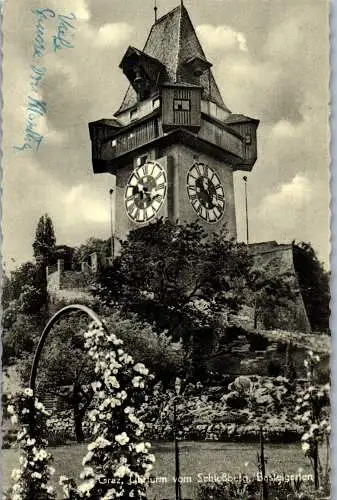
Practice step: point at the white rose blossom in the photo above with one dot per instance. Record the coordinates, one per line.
(140, 368)
(122, 438)
(10, 409)
(14, 419)
(305, 447)
(122, 471)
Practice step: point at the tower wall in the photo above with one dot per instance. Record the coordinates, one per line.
(176, 161)
(183, 158)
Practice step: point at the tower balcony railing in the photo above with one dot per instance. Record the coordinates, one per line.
(136, 136)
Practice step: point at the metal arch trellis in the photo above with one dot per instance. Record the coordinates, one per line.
(78, 307)
(65, 310)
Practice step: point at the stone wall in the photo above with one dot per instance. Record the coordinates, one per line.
(279, 259)
(68, 285)
(268, 353)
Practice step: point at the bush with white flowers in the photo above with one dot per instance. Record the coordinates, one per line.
(118, 463)
(312, 412)
(30, 481)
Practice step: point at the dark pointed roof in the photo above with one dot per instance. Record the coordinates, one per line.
(173, 42)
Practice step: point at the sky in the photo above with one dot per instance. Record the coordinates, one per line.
(270, 60)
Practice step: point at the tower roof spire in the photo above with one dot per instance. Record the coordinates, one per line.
(173, 42)
(155, 11)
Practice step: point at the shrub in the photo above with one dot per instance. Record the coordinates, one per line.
(243, 487)
(157, 351)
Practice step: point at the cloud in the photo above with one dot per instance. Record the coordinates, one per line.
(284, 129)
(113, 34)
(295, 210)
(81, 205)
(289, 198)
(222, 37)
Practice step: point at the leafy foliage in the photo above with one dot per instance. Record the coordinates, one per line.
(21, 337)
(65, 372)
(92, 245)
(175, 278)
(244, 487)
(164, 357)
(25, 289)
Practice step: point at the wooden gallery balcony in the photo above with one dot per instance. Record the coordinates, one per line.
(114, 145)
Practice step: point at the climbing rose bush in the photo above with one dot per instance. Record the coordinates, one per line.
(30, 481)
(118, 463)
(312, 412)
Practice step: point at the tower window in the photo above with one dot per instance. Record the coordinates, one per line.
(134, 114)
(182, 105)
(141, 160)
(114, 143)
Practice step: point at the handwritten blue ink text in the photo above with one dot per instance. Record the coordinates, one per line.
(39, 40)
(64, 32)
(37, 108)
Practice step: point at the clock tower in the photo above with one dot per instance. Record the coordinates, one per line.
(173, 144)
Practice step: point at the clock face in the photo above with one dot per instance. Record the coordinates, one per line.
(206, 192)
(145, 192)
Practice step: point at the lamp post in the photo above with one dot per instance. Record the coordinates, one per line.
(112, 236)
(176, 442)
(246, 201)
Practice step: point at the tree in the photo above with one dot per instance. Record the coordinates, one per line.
(20, 337)
(24, 293)
(314, 285)
(178, 279)
(173, 276)
(92, 245)
(24, 275)
(44, 243)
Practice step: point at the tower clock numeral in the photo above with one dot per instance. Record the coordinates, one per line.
(131, 207)
(193, 173)
(198, 168)
(158, 197)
